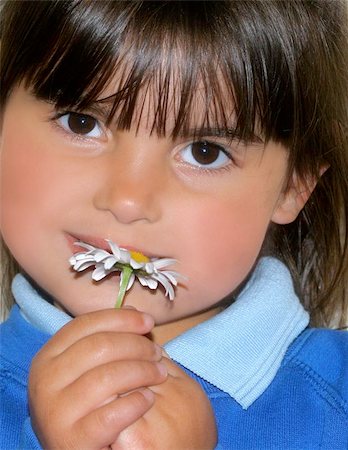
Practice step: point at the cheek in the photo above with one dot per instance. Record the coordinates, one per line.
(225, 241)
(26, 195)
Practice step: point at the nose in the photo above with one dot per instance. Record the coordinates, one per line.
(131, 189)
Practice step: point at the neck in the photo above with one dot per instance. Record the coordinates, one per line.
(164, 333)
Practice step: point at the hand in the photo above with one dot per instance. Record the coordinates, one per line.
(181, 418)
(89, 382)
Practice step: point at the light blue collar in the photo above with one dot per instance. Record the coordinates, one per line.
(239, 350)
(36, 309)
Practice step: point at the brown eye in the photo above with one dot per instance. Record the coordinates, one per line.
(81, 124)
(205, 154)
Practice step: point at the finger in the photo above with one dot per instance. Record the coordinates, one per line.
(102, 426)
(102, 348)
(165, 354)
(173, 369)
(121, 320)
(99, 385)
(176, 378)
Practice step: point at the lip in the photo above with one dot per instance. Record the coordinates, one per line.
(99, 243)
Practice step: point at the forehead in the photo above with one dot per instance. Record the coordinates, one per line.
(172, 68)
(166, 103)
(177, 65)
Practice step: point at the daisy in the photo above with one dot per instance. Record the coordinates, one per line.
(132, 265)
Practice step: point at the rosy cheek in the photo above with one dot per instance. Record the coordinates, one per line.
(224, 246)
(22, 188)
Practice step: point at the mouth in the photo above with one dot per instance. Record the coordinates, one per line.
(101, 243)
(132, 264)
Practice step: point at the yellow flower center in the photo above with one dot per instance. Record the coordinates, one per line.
(139, 257)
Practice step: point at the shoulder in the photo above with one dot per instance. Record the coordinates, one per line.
(321, 355)
(20, 342)
(326, 351)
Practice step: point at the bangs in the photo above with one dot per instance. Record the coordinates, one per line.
(163, 62)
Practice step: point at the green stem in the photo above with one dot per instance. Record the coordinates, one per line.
(126, 272)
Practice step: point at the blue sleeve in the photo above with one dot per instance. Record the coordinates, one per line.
(16, 432)
(28, 439)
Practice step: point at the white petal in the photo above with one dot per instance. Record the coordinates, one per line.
(72, 260)
(115, 249)
(166, 284)
(99, 273)
(124, 256)
(131, 281)
(170, 291)
(83, 257)
(101, 255)
(149, 268)
(152, 283)
(163, 262)
(135, 264)
(109, 262)
(172, 276)
(142, 280)
(147, 281)
(83, 265)
(79, 256)
(84, 245)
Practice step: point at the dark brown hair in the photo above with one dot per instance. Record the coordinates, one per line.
(275, 69)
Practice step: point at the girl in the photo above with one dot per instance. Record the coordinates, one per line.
(214, 133)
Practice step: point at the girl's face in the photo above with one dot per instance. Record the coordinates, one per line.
(66, 177)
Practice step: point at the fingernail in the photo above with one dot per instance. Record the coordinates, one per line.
(148, 394)
(149, 321)
(164, 353)
(162, 369)
(158, 351)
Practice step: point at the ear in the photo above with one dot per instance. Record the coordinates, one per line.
(292, 200)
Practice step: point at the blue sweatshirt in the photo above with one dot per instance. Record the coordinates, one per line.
(272, 382)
